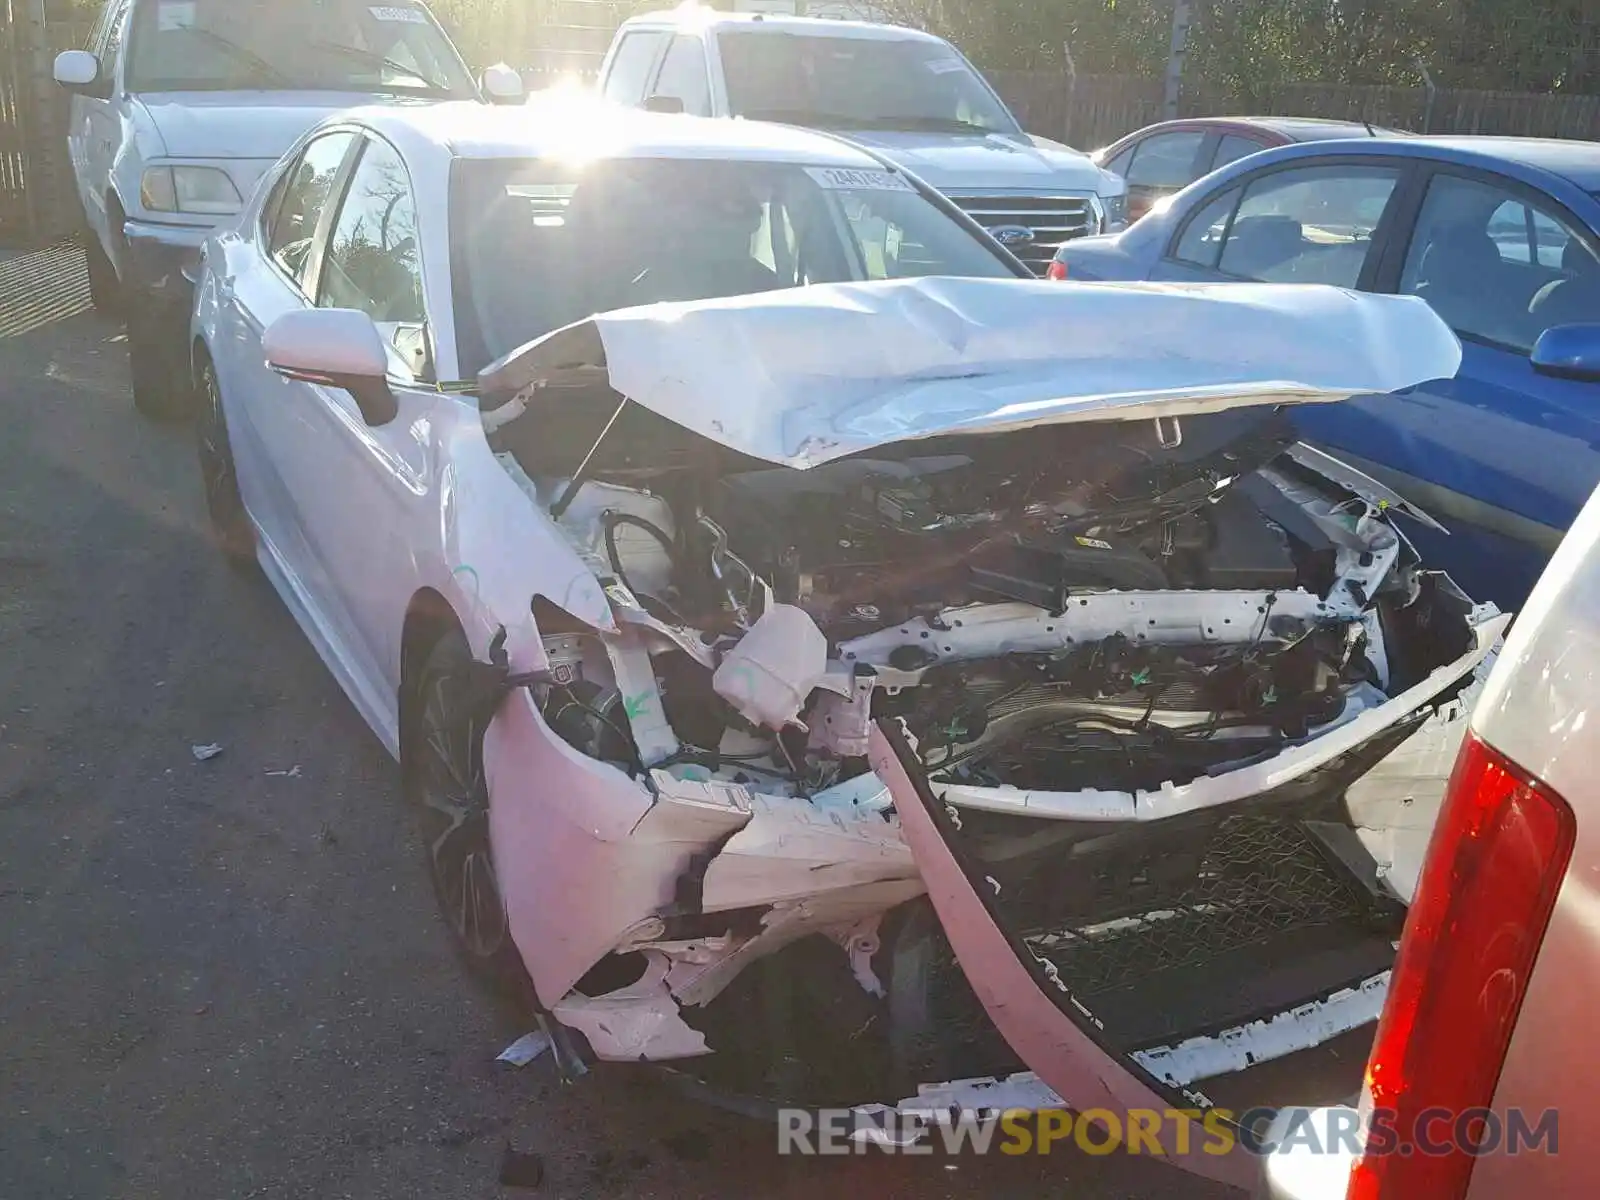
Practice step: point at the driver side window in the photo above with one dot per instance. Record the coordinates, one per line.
(106, 42)
(307, 187)
(373, 262)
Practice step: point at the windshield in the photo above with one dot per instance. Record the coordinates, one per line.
(301, 45)
(541, 245)
(864, 83)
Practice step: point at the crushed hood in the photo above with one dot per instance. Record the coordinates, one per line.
(805, 376)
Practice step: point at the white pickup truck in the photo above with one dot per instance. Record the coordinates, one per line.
(179, 107)
(909, 96)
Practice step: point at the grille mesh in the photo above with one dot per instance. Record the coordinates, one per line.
(1259, 878)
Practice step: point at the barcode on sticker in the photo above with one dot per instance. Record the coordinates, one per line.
(394, 12)
(859, 179)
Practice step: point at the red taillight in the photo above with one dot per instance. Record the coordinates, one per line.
(1494, 865)
(1058, 270)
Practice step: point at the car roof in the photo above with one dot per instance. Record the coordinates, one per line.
(698, 17)
(1576, 162)
(1315, 129)
(1291, 129)
(591, 128)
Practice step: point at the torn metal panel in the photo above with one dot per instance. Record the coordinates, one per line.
(641, 698)
(638, 1022)
(1377, 494)
(1392, 809)
(702, 970)
(1278, 1036)
(793, 851)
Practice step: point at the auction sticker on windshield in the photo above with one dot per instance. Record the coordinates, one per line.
(394, 12)
(856, 179)
(175, 14)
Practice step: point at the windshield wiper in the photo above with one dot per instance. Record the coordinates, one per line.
(383, 60)
(932, 124)
(804, 116)
(838, 120)
(242, 53)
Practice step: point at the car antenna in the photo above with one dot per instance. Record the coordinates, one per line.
(1371, 132)
(581, 475)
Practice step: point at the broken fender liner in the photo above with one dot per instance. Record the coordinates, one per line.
(1061, 1048)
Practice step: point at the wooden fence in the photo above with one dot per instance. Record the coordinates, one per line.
(37, 197)
(1094, 110)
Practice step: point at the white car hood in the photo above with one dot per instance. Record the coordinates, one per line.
(808, 375)
(243, 124)
(978, 164)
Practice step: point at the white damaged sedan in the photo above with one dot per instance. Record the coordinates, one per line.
(920, 683)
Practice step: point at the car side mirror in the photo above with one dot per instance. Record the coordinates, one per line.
(664, 104)
(502, 84)
(335, 347)
(1569, 352)
(79, 71)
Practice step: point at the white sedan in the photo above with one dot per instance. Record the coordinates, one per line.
(755, 651)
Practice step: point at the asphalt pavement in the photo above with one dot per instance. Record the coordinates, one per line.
(226, 978)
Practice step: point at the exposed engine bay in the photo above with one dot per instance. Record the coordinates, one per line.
(1139, 671)
(1096, 614)
(1074, 609)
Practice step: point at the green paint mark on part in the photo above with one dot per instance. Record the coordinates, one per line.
(635, 707)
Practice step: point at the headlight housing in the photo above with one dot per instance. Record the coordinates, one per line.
(204, 191)
(1116, 212)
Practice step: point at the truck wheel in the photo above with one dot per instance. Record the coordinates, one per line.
(156, 359)
(104, 291)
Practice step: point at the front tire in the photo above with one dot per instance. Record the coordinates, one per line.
(441, 757)
(104, 290)
(230, 523)
(156, 341)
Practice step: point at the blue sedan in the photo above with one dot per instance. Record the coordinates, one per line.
(1502, 237)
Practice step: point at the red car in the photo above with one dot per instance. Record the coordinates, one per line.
(1160, 160)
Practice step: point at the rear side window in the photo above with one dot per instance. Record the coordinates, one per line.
(683, 76)
(1232, 148)
(305, 196)
(1166, 160)
(630, 68)
(1308, 224)
(1119, 164)
(1201, 241)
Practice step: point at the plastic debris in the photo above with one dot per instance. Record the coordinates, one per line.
(520, 1170)
(292, 773)
(525, 1049)
(205, 753)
